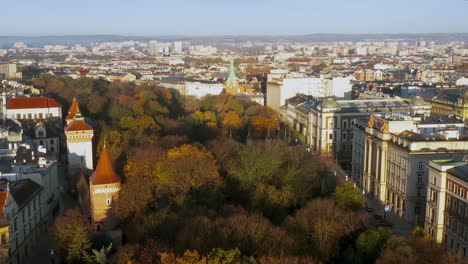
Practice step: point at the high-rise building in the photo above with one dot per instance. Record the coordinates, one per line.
(9, 71)
(178, 46)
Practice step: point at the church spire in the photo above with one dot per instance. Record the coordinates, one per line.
(104, 173)
(232, 80)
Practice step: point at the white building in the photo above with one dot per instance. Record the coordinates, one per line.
(316, 87)
(178, 46)
(390, 161)
(79, 143)
(462, 81)
(447, 205)
(200, 89)
(9, 71)
(33, 108)
(29, 198)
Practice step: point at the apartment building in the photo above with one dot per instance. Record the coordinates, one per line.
(390, 158)
(326, 124)
(447, 205)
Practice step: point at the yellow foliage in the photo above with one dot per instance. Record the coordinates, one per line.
(189, 257)
(186, 151)
(232, 120)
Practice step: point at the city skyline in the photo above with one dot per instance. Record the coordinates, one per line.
(210, 18)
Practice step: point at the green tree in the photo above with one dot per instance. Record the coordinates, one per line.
(72, 236)
(348, 196)
(100, 256)
(370, 243)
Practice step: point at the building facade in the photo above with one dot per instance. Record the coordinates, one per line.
(79, 143)
(447, 205)
(33, 108)
(326, 124)
(390, 161)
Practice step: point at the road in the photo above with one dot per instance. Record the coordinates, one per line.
(399, 226)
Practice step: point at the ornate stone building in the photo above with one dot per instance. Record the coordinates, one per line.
(391, 155)
(326, 124)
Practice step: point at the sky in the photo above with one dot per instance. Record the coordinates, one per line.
(230, 17)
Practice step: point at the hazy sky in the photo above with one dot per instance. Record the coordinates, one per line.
(231, 17)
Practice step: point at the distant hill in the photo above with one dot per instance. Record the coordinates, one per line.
(38, 41)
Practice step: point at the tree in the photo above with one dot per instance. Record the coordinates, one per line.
(186, 168)
(232, 121)
(322, 225)
(100, 256)
(233, 256)
(370, 243)
(262, 126)
(253, 164)
(72, 236)
(348, 196)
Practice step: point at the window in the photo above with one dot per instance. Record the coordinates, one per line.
(331, 122)
(18, 116)
(345, 136)
(108, 201)
(420, 165)
(351, 135)
(345, 124)
(417, 209)
(419, 177)
(40, 116)
(330, 135)
(419, 191)
(41, 133)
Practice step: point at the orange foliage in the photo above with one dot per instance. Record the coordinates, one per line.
(232, 120)
(261, 125)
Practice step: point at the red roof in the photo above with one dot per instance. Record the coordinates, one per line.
(78, 125)
(104, 173)
(31, 102)
(74, 108)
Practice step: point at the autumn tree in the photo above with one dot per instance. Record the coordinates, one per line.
(72, 236)
(184, 169)
(232, 121)
(322, 226)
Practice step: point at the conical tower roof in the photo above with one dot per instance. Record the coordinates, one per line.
(74, 108)
(104, 172)
(78, 123)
